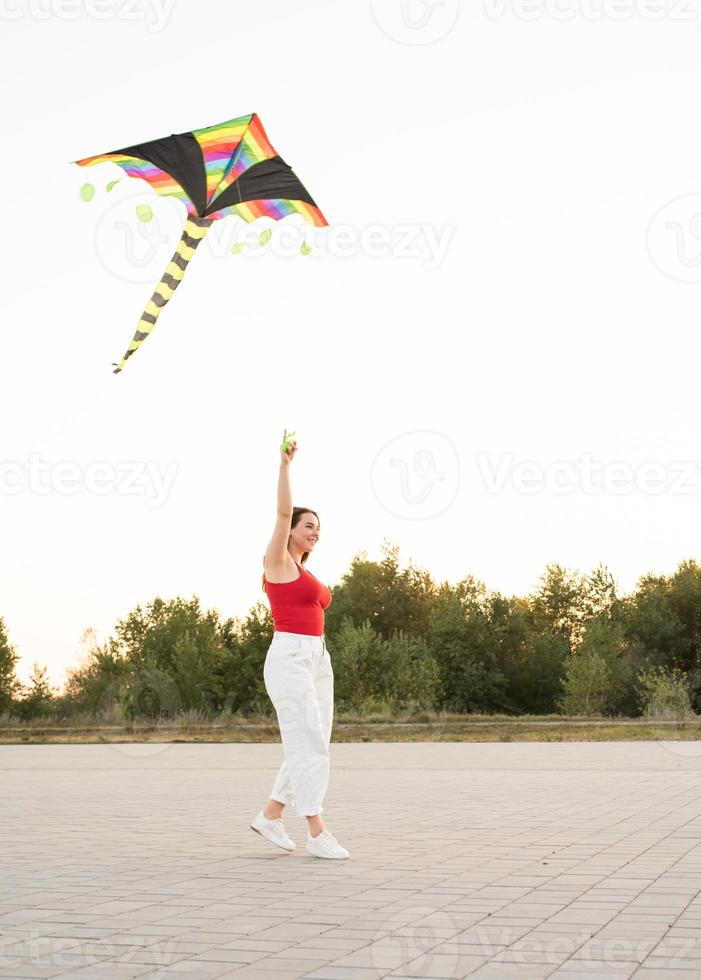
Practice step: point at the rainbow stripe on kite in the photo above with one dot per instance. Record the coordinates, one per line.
(202, 168)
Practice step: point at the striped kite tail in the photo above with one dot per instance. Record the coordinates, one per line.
(193, 233)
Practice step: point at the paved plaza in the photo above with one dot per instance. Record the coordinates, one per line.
(514, 859)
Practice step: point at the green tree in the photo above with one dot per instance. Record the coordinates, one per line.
(559, 601)
(95, 685)
(399, 639)
(9, 682)
(585, 685)
(529, 654)
(165, 658)
(599, 595)
(663, 619)
(412, 678)
(463, 646)
(605, 638)
(598, 674)
(246, 642)
(359, 655)
(176, 655)
(390, 598)
(37, 698)
(397, 674)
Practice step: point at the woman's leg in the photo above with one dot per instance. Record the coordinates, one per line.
(280, 795)
(299, 682)
(273, 810)
(323, 684)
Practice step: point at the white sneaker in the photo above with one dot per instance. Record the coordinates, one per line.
(273, 830)
(325, 846)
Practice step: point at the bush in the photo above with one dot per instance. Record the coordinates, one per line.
(585, 686)
(664, 693)
(598, 674)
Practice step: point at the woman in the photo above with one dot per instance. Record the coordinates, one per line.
(298, 674)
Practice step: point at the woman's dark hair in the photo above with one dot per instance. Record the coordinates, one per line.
(296, 516)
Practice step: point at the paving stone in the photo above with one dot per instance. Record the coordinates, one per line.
(567, 859)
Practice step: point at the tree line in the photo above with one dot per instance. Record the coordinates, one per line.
(401, 642)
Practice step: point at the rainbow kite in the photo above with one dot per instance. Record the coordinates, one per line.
(230, 168)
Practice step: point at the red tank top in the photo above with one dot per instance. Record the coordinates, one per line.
(298, 606)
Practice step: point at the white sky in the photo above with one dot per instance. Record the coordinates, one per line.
(560, 322)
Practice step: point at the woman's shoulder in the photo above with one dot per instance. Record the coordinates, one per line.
(282, 572)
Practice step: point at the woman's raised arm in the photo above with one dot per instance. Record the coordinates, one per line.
(276, 553)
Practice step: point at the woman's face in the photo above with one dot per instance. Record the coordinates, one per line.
(305, 533)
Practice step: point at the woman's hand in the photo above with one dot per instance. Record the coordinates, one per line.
(287, 457)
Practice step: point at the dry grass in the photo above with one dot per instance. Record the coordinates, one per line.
(421, 726)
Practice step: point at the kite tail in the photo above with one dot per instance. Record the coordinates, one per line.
(193, 233)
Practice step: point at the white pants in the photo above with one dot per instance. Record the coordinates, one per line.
(299, 681)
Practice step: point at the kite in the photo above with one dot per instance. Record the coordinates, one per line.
(229, 168)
